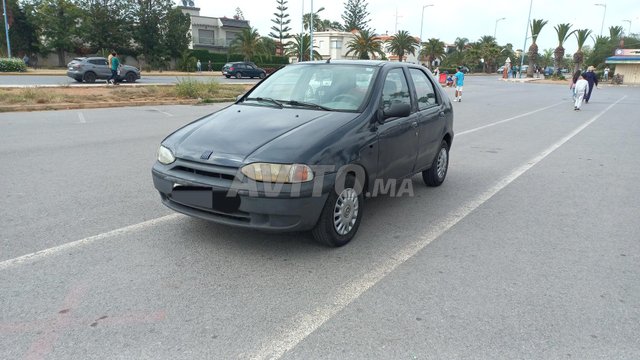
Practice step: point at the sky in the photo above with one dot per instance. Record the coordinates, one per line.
(448, 20)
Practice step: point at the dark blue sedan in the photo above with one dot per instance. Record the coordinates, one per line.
(302, 149)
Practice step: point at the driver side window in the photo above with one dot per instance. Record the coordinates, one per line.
(395, 90)
(424, 89)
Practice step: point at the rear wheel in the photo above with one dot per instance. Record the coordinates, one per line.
(263, 75)
(89, 77)
(341, 216)
(227, 76)
(434, 176)
(238, 75)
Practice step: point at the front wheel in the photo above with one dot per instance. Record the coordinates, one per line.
(238, 75)
(434, 176)
(341, 216)
(130, 78)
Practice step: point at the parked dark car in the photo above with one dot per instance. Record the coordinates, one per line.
(243, 69)
(89, 69)
(300, 150)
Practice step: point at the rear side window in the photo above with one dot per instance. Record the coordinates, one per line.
(425, 91)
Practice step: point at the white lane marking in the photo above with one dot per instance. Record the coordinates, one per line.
(302, 325)
(82, 119)
(86, 241)
(509, 119)
(162, 112)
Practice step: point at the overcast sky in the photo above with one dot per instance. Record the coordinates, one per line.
(470, 19)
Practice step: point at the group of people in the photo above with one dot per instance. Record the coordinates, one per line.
(582, 85)
(199, 66)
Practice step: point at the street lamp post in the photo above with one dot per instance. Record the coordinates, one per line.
(603, 15)
(495, 30)
(311, 34)
(422, 20)
(526, 35)
(628, 31)
(6, 26)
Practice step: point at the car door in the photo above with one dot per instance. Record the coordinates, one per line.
(430, 117)
(101, 68)
(252, 71)
(397, 137)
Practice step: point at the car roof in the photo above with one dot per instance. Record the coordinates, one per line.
(378, 63)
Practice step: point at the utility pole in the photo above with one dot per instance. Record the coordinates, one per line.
(6, 26)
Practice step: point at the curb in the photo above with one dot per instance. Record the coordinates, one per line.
(74, 106)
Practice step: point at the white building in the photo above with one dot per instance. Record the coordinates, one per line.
(212, 33)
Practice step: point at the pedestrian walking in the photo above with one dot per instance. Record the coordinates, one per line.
(115, 64)
(606, 73)
(436, 72)
(459, 78)
(581, 89)
(574, 80)
(199, 65)
(592, 79)
(209, 67)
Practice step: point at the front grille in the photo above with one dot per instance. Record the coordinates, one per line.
(211, 174)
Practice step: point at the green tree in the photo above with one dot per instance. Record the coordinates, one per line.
(355, 15)
(402, 43)
(104, 25)
(22, 31)
(547, 58)
(281, 28)
(306, 20)
(248, 44)
(489, 51)
(562, 30)
(365, 45)
(432, 49)
(175, 31)
(536, 28)
(300, 46)
(581, 37)
(148, 17)
(269, 47)
(58, 23)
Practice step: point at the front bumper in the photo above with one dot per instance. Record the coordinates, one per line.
(209, 192)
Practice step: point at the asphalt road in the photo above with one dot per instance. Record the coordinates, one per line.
(529, 250)
(34, 80)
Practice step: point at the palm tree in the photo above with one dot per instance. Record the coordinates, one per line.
(562, 30)
(488, 50)
(402, 43)
(365, 43)
(249, 44)
(461, 44)
(536, 27)
(615, 32)
(432, 49)
(299, 47)
(578, 58)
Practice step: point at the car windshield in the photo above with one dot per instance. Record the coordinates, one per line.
(338, 87)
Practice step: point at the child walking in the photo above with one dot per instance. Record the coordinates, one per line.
(582, 86)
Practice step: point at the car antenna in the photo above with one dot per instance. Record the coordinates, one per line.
(329, 61)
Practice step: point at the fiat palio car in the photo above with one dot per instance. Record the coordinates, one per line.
(300, 150)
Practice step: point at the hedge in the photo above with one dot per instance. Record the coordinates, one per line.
(12, 65)
(218, 60)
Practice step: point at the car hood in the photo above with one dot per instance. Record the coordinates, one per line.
(235, 133)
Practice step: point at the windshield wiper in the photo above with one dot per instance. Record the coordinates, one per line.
(307, 105)
(269, 100)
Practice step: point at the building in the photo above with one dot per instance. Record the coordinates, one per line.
(627, 62)
(212, 33)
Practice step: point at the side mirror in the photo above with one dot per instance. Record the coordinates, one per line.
(397, 110)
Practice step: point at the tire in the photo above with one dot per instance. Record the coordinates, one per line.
(435, 175)
(227, 76)
(89, 77)
(238, 75)
(340, 216)
(130, 77)
(263, 75)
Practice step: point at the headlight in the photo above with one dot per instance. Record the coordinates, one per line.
(165, 156)
(278, 173)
